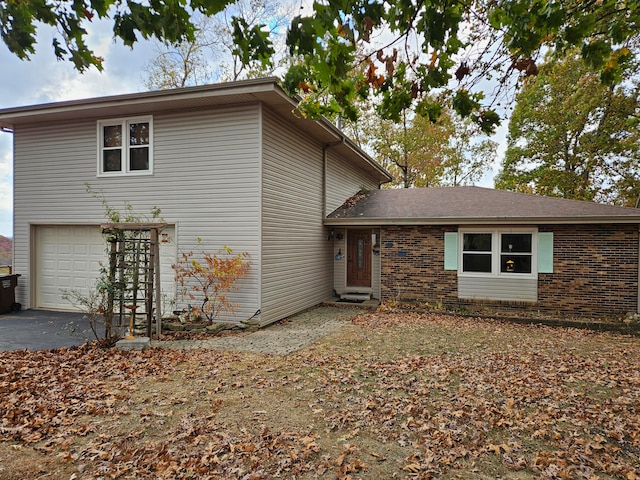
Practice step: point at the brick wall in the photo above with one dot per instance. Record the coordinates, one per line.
(595, 270)
(412, 265)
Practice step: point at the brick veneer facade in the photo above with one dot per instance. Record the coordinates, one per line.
(595, 270)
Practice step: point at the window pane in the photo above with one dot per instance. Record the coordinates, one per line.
(476, 262)
(139, 158)
(516, 242)
(139, 134)
(515, 263)
(112, 161)
(477, 242)
(112, 136)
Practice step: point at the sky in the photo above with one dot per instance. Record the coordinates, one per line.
(43, 79)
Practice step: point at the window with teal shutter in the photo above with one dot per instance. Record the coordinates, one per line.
(545, 252)
(451, 251)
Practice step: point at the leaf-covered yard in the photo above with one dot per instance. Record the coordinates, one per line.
(389, 396)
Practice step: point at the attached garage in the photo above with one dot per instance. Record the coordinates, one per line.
(69, 257)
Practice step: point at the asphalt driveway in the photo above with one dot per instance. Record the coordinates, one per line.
(43, 330)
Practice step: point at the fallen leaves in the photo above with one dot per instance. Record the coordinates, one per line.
(415, 396)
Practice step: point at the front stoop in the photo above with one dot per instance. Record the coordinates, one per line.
(137, 343)
(355, 296)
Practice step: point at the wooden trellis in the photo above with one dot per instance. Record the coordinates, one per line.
(134, 276)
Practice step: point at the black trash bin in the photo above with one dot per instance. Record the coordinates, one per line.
(8, 284)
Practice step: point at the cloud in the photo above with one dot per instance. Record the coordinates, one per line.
(43, 79)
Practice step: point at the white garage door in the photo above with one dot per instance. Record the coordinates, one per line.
(70, 258)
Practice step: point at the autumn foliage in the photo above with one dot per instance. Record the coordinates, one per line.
(6, 249)
(390, 395)
(209, 280)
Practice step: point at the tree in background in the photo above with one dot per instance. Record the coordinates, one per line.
(182, 64)
(271, 18)
(570, 136)
(212, 55)
(403, 51)
(449, 47)
(421, 153)
(6, 251)
(469, 154)
(412, 150)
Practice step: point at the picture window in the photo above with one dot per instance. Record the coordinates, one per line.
(497, 253)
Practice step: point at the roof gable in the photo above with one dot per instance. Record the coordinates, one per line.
(472, 205)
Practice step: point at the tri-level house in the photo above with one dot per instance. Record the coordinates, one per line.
(232, 164)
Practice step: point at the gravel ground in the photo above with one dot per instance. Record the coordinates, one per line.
(281, 338)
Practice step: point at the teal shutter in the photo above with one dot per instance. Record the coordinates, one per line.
(545, 252)
(451, 250)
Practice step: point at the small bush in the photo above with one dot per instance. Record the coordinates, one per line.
(208, 281)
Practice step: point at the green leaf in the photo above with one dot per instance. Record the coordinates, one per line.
(596, 52)
(429, 109)
(488, 120)
(464, 104)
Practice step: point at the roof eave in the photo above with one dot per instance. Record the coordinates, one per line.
(14, 115)
(591, 220)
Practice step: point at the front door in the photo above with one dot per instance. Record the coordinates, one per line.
(359, 258)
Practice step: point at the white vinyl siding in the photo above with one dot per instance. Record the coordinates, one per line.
(498, 288)
(340, 263)
(344, 180)
(297, 265)
(205, 181)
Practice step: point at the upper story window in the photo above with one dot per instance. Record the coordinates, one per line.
(495, 252)
(125, 146)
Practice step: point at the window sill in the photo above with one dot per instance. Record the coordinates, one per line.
(124, 174)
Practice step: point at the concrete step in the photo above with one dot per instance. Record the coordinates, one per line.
(355, 296)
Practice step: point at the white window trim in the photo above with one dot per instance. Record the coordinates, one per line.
(124, 122)
(495, 252)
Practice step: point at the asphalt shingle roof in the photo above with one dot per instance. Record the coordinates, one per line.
(455, 205)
